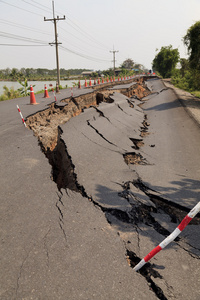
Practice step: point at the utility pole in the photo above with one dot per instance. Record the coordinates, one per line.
(56, 43)
(114, 51)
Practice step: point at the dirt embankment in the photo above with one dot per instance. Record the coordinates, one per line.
(45, 124)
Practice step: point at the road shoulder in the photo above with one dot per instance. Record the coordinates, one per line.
(190, 102)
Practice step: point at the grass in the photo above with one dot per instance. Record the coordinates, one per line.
(196, 93)
(12, 94)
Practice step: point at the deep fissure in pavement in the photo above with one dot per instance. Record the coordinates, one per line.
(63, 173)
(147, 272)
(62, 167)
(176, 211)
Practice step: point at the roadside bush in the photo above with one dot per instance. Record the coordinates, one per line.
(9, 93)
(189, 82)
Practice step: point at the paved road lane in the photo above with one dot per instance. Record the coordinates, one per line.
(171, 148)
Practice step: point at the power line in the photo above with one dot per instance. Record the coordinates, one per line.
(19, 37)
(46, 7)
(21, 8)
(32, 4)
(23, 45)
(70, 23)
(84, 56)
(83, 32)
(85, 44)
(23, 26)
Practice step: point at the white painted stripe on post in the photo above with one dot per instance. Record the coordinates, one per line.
(170, 238)
(194, 211)
(139, 265)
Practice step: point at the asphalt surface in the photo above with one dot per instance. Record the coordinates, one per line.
(171, 148)
(53, 246)
(72, 245)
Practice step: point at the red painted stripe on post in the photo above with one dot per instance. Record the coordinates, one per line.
(184, 223)
(152, 253)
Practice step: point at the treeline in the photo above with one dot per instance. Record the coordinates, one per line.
(38, 74)
(184, 73)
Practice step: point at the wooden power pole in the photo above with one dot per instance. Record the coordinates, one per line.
(114, 51)
(56, 43)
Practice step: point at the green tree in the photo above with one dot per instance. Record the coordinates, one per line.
(165, 61)
(192, 42)
(16, 75)
(184, 66)
(128, 64)
(108, 72)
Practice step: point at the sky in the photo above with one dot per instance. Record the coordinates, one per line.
(91, 29)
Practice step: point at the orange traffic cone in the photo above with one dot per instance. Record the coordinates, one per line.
(32, 96)
(98, 81)
(85, 83)
(90, 82)
(46, 95)
(107, 79)
(79, 84)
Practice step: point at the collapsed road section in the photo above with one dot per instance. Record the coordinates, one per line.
(95, 155)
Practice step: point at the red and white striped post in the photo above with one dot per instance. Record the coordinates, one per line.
(54, 94)
(170, 238)
(21, 116)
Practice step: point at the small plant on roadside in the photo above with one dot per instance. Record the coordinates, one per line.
(25, 89)
(75, 84)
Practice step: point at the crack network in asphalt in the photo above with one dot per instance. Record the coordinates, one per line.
(63, 173)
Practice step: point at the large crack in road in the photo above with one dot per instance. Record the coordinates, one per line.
(146, 205)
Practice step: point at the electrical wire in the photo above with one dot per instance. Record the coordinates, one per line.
(23, 45)
(18, 37)
(33, 5)
(83, 55)
(82, 32)
(100, 51)
(46, 7)
(21, 8)
(24, 27)
(75, 26)
(70, 23)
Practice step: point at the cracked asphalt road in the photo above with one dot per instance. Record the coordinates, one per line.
(165, 150)
(174, 161)
(82, 243)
